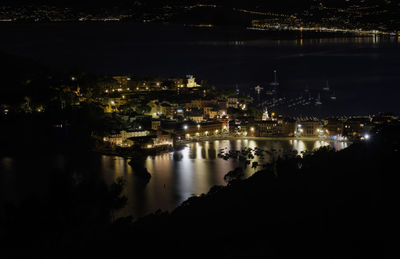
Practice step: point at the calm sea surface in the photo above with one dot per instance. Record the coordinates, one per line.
(173, 180)
(364, 72)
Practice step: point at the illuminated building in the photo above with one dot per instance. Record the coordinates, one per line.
(333, 127)
(155, 124)
(233, 102)
(122, 82)
(191, 82)
(309, 128)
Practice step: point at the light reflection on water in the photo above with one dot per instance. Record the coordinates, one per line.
(173, 180)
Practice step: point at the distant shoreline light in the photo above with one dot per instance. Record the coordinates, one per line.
(319, 29)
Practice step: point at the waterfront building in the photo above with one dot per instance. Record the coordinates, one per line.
(309, 128)
(286, 127)
(124, 138)
(272, 128)
(354, 127)
(190, 129)
(334, 128)
(267, 128)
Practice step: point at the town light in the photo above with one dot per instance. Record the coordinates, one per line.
(366, 136)
(198, 126)
(252, 128)
(185, 127)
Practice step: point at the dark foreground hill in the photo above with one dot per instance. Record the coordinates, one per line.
(326, 205)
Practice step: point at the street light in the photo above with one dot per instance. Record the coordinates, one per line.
(185, 127)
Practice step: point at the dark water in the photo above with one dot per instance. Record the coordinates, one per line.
(172, 182)
(364, 72)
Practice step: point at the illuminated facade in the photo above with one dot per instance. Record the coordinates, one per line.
(191, 82)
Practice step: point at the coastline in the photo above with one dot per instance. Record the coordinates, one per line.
(213, 138)
(131, 153)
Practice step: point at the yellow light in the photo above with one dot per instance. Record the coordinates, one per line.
(252, 128)
(149, 146)
(198, 126)
(123, 97)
